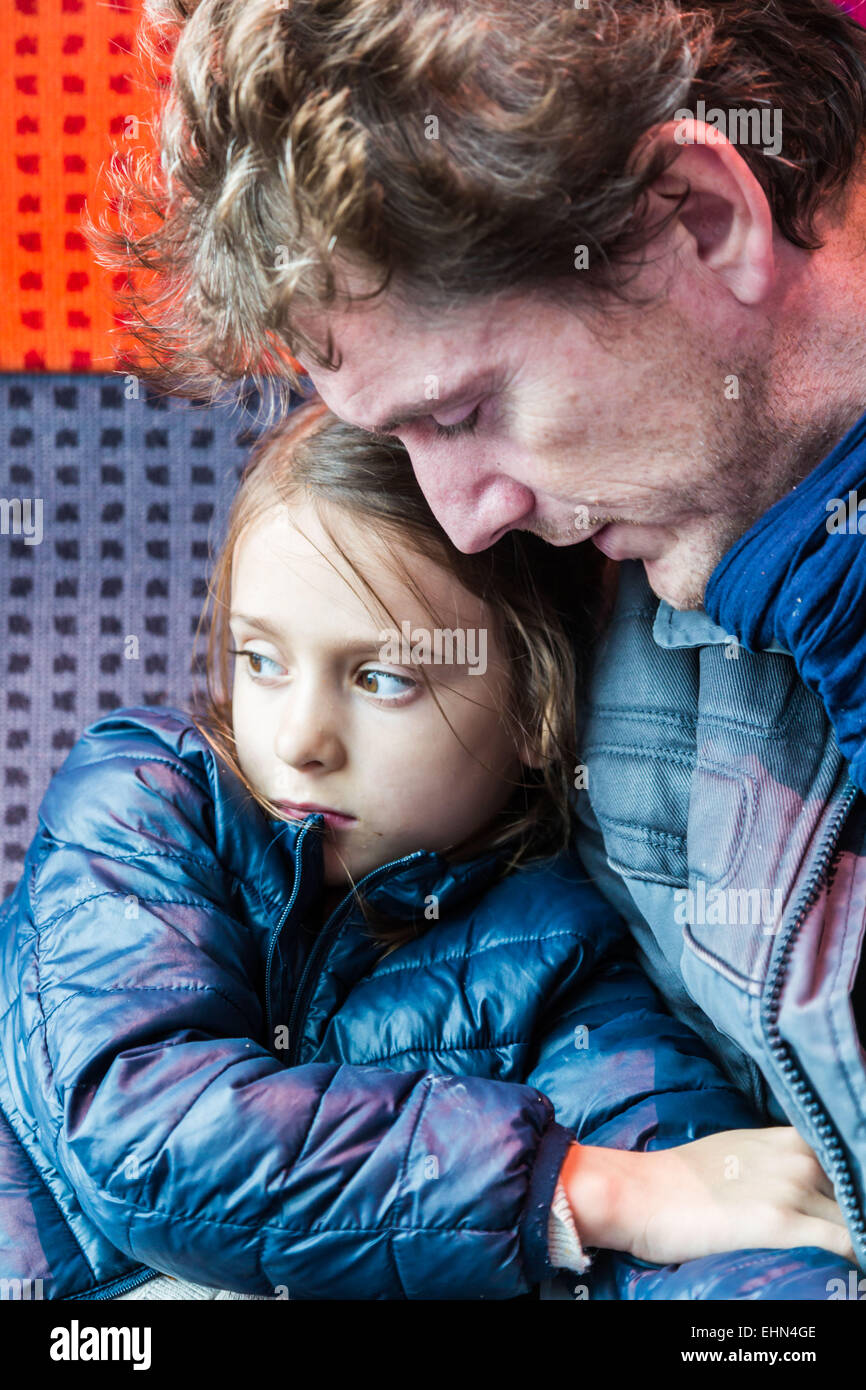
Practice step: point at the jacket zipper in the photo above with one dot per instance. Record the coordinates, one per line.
(841, 1175)
(321, 946)
(299, 845)
(115, 1290)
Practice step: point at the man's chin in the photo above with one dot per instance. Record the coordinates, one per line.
(677, 585)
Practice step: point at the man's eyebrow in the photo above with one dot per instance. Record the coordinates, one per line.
(464, 390)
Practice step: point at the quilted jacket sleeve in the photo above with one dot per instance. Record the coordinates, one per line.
(187, 1141)
(623, 1072)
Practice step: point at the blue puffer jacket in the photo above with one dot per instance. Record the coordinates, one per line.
(197, 1082)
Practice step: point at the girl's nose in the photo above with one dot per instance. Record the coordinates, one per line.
(307, 738)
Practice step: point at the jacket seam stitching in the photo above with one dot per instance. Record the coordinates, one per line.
(40, 1023)
(177, 766)
(476, 951)
(129, 989)
(638, 715)
(204, 862)
(147, 854)
(744, 983)
(313, 1229)
(332, 1231)
(664, 753)
(201, 901)
(638, 610)
(645, 833)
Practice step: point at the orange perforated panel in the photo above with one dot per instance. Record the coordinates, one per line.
(71, 93)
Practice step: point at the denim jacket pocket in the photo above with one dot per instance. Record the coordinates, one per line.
(730, 918)
(635, 792)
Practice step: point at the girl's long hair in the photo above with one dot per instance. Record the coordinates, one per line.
(546, 604)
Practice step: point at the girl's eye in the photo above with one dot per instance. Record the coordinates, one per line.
(466, 426)
(259, 664)
(384, 684)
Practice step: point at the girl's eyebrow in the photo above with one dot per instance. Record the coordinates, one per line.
(257, 623)
(371, 646)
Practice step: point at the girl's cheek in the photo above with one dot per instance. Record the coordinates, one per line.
(249, 733)
(238, 717)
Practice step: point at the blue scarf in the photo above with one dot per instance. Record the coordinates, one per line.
(799, 577)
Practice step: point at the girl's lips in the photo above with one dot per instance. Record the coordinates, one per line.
(335, 819)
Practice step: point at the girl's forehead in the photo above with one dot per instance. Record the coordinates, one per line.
(326, 555)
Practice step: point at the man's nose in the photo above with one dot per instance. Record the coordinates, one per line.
(474, 506)
(308, 737)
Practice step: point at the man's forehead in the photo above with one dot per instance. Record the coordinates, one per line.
(391, 372)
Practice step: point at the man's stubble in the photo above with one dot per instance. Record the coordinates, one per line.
(753, 452)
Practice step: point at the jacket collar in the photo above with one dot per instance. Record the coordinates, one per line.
(408, 887)
(693, 628)
(403, 887)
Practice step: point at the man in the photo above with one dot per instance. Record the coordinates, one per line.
(613, 265)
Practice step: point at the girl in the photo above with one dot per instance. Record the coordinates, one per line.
(306, 997)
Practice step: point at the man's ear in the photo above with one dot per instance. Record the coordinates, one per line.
(726, 217)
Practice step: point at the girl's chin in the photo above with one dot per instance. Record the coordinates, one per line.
(343, 868)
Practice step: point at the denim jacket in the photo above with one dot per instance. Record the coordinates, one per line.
(720, 818)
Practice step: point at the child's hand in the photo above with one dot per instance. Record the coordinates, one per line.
(738, 1190)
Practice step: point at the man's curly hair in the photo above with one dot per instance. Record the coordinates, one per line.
(447, 148)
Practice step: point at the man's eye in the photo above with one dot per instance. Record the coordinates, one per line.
(466, 426)
(384, 684)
